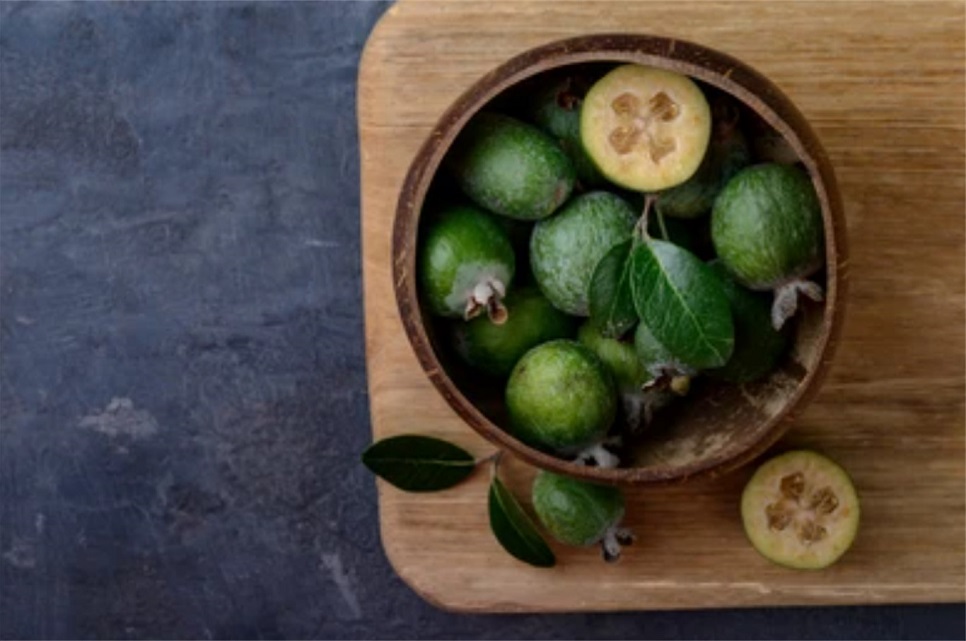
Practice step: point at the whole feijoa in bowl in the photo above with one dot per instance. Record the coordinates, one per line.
(605, 272)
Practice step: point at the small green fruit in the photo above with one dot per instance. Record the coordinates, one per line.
(466, 264)
(619, 357)
(560, 398)
(495, 349)
(511, 168)
(766, 227)
(580, 513)
(800, 510)
(565, 249)
(638, 401)
(758, 346)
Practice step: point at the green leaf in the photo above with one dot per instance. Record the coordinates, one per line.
(514, 529)
(611, 303)
(418, 463)
(682, 303)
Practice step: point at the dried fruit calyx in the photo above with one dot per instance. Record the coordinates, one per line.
(800, 510)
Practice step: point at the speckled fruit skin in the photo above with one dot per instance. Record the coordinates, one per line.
(511, 168)
(461, 247)
(565, 249)
(758, 347)
(766, 226)
(620, 357)
(495, 349)
(560, 397)
(576, 512)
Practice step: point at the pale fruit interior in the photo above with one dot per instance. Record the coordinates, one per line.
(801, 510)
(646, 129)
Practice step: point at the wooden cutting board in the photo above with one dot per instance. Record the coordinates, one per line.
(883, 85)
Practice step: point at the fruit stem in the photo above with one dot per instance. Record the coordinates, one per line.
(640, 229)
(660, 223)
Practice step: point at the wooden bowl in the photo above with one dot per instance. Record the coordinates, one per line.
(721, 426)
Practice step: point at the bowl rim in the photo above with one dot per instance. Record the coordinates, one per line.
(708, 65)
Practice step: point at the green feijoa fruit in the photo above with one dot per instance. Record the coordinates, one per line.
(634, 381)
(758, 345)
(727, 154)
(766, 227)
(509, 167)
(560, 398)
(555, 108)
(682, 304)
(645, 128)
(495, 349)
(565, 248)
(801, 510)
(466, 264)
(579, 513)
(619, 356)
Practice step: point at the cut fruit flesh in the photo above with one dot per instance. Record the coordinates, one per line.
(645, 128)
(800, 510)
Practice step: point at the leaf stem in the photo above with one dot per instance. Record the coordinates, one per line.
(495, 459)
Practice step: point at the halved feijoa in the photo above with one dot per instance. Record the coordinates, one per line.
(466, 264)
(509, 167)
(495, 349)
(800, 510)
(646, 129)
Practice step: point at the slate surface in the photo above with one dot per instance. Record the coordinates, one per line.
(183, 385)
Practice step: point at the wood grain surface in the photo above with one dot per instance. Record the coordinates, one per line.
(883, 85)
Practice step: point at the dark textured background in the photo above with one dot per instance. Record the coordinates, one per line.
(183, 384)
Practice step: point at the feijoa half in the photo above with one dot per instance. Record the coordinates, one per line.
(800, 510)
(580, 513)
(645, 128)
(466, 264)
